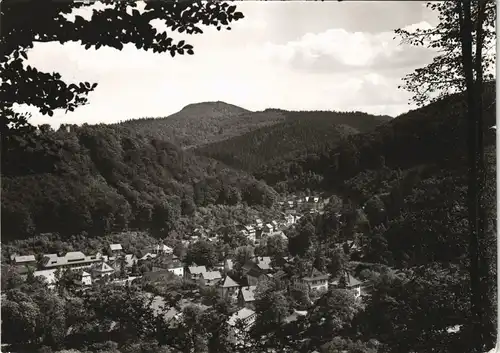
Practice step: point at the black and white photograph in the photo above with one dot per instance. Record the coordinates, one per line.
(184, 176)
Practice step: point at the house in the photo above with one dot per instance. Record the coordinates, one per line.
(275, 225)
(171, 262)
(290, 219)
(116, 249)
(73, 259)
(263, 263)
(148, 256)
(259, 223)
(49, 276)
(316, 280)
(245, 317)
(163, 249)
(83, 279)
(351, 283)
(295, 315)
(228, 265)
(25, 260)
(229, 287)
(102, 270)
(177, 268)
(195, 272)
(130, 259)
(268, 229)
(250, 233)
(211, 278)
(246, 296)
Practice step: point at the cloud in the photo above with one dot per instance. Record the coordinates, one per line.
(329, 64)
(338, 51)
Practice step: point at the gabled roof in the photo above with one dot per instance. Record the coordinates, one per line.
(148, 256)
(315, 275)
(241, 314)
(264, 263)
(115, 247)
(248, 293)
(353, 281)
(129, 259)
(211, 275)
(255, 272)
(196, 270)
(74, 256)
(25, 258)
(103, 267)
(229, 283)
(164, 248)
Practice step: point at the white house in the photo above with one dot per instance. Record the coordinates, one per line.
(316, 280)
(72, 259)
(25, 260)
(195, 272)
(148, 256)
(84, 279)
(116, 248)
(242, 320)
(103, 270)
(163, 249)
(211, 278)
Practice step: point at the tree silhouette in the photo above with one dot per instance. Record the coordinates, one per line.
(119, 23)
(464, 36)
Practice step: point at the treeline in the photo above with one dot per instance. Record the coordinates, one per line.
(303, 132)
(203, 123)
(252, 150)
(101, 178)
(434, 134)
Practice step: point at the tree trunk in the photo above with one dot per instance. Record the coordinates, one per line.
(487, 325)
(466, 28)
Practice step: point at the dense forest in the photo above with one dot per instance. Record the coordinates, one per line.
(104, 178)
(202, 123)
(431, 135)
(301, 132)
(212, 122)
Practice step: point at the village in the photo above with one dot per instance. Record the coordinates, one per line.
(120, 267)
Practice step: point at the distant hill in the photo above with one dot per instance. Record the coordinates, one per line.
(202, 123)
(434, 134)
(103, 178)
(301, 132)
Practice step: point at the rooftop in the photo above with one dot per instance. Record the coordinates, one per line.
(197, 270)
(229, 283)
(25, 258)
(248, 293)
(316, 275)
(241, 314)
(103, 267)
(211, 275)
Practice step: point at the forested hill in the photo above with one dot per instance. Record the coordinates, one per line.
(210, 122)
(202, 123)
(102, 178)
(434, 134)
(301, 132)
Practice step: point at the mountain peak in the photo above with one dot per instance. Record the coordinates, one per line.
(213, 107)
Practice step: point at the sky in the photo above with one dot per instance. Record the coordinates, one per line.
(291, 55)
